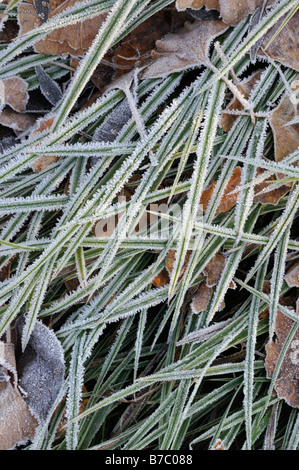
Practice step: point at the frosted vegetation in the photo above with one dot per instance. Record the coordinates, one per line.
(148, 370)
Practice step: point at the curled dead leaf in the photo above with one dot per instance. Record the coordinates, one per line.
(183, 49)
(287, 382)
(73, 39)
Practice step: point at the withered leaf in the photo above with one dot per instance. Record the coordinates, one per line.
(45, 160)
(228, 200)
(292, 275)
(214, 269)
(232, 12)
(287, 382)
(285, 46)
(13, 92)
(110, 128)
(246, 87)
(16, 121)
(40, 368)
(202, 298)
(17, 424)
(185, 49)
(170, 260)
(265, 195)
(48, 86)
(73, 39)
(162, 279)
(135, 48)
(286, 137)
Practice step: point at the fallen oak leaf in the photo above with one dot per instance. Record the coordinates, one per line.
(228, 200)
(284, 48)
(286, 137)
(287, 382)
(17, 424)
(231, 12)
(13, 92)
(73, 39)
(202, 298)
(184, 49)
(18, 122)
(136, 47)
(265, 195)
(214, 269)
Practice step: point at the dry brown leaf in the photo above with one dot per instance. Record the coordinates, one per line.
(285, 47)
(228, 200)
(286, 137)
(162, 279)
(184, 49)
(292, 275)
(16, 121)
(202, 298)
(264, 196)
(287, 382)
(231, 12)
(136, 48)
(164, 276)
(214, 269)
(246, 87)
(45, 160)
(170, 259)
(73, 39)
(13, 92)
(17, 425)
(234, 11)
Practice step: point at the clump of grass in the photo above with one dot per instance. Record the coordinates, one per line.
(138, 373)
